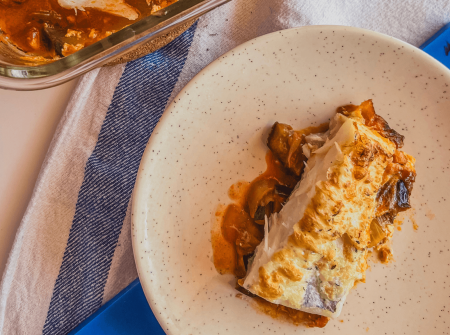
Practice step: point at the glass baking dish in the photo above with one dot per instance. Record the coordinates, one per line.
(17, 74)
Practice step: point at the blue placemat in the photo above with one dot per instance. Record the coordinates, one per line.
(129, 312)
(438, 46)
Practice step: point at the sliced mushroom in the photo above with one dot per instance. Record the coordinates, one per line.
(393, 197)
(238, 228)
(286, 144)
(278, 140)
(265, 197)
(296, 158)
(260, 194)
(387, 197)
(402, 196)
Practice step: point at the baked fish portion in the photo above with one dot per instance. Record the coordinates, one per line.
(315, 249)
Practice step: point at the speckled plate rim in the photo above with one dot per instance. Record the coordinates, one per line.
(139, 199)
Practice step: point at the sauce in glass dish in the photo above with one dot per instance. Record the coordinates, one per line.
(46, 29)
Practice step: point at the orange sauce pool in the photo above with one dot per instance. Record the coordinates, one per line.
(22, 21)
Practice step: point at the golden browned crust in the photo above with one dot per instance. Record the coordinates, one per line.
(343, 206)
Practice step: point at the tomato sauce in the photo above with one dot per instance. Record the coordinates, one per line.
(23, 22)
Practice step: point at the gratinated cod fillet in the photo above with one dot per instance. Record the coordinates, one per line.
(354, 183)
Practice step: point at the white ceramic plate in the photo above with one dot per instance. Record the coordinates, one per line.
(213, 135)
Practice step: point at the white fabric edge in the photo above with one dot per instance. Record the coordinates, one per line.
(78, 102)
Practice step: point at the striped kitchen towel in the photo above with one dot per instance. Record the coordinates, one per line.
(73, 252)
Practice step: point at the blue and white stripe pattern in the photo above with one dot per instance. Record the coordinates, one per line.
(110, 173)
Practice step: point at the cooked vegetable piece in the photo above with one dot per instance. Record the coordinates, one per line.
(385, 254)
(259, 214)
(56, 37)
(283, 191)
(374, 121)
(260, 194)
(393, 196)
(387, 197)
(385, 219)
(296, 158)
(278, 140)
(63, 43)
(239, 229)
(264, 211)
(286, 144)
(402, 195)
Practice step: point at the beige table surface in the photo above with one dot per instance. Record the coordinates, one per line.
(27, 123)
